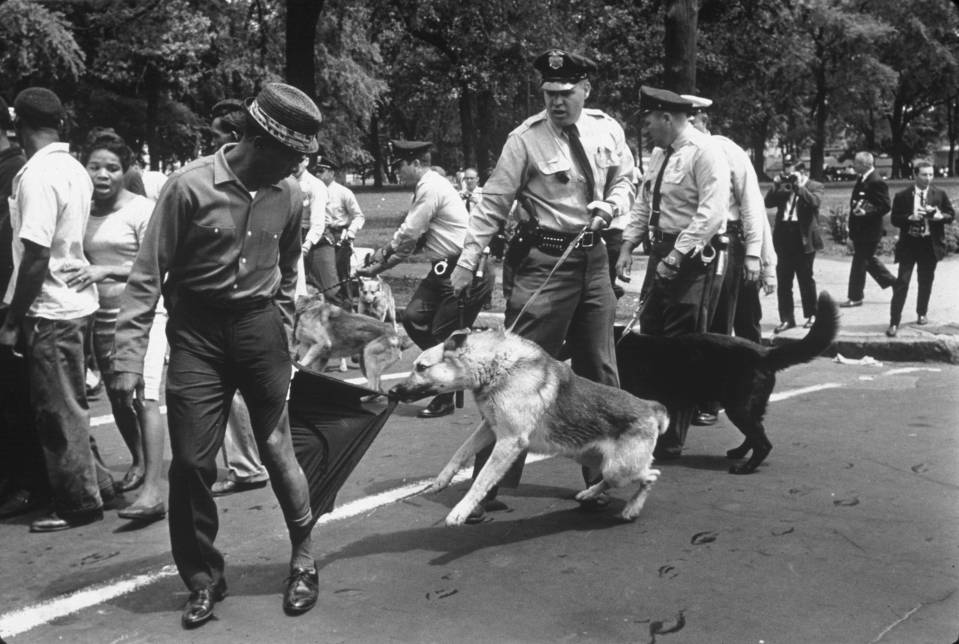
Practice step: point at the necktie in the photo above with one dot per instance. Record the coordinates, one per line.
(657, 195)
(579, 156)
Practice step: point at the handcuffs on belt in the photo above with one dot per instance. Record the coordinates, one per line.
(440, 267)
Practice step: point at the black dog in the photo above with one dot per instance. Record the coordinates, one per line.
(680, 371)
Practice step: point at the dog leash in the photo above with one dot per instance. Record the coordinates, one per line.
(559, 262)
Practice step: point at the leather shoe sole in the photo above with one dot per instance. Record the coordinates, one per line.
(222, 488)
(784, 326)
(704, 419)
(437, 412)
(849, 304)
(55, 523)
(147, 515)
(199, 608)
(302, 590)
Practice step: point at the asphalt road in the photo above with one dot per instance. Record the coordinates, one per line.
(846, 534)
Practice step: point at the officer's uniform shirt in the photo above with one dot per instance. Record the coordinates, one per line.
(438, 212)
(315, 197)
(537, 168)
(746, 203)
(342, 209)
(694, 193)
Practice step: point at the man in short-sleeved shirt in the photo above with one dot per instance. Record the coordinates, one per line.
(49, 208)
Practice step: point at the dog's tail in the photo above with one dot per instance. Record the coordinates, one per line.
(820, 336)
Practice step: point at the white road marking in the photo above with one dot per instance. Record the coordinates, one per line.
(23, 619)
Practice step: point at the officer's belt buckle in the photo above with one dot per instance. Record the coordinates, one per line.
(587, 240)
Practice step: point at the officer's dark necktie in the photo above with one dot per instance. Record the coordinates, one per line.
(657, 195)
(579, 156)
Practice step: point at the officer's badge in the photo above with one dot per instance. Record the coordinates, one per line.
(555, 60)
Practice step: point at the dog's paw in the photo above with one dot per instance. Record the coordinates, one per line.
(628, 515)
(458, 516)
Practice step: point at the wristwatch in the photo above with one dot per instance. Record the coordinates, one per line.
(671, 261)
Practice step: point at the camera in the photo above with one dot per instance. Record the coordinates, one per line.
(788, 181)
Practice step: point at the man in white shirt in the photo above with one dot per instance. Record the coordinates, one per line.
(344, 220)
(313, 225)
(46, 319)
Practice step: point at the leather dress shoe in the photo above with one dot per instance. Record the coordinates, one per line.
(922, 321)
(55, 523)
(199, 608)
(145, 514)
(784, 326)
(704, 419)
(848, 304)
(442, 405)
(302, 589)
(892, 330)
(229, 486)
(667, 453)
(20, 502)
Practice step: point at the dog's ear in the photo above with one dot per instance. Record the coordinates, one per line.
(456, 340)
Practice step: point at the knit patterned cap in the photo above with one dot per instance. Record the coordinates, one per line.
(288, 115)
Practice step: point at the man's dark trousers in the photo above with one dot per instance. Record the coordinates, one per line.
(793, 262)
(913, 253)
(213, 352)
(864, 261)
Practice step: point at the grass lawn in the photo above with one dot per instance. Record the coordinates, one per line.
(385, 211)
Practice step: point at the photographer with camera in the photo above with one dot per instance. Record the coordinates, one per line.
(796, 238)
(867, 207)
(921, 213)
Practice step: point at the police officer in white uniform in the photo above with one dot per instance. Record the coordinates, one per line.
(681, 208)
(436, 221)
(569, 168)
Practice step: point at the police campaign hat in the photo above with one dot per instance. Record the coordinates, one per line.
(326, 163)
(288, 115)
(409, 150)
(653, 99)
(561, 70)
(39, 106)
(699, 103)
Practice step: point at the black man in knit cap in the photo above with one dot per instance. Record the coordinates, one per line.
(568, 168)
(46, 320)
(681, 209)
(436, 221)
(222, 247)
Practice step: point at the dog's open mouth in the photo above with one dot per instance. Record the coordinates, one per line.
(412, 393)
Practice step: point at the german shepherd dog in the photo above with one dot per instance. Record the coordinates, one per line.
(529, 400)
(376, 300)
(323, 331)
(684, 370)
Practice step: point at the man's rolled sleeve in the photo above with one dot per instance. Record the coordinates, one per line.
(498, 196)
(39, 208)
(415, 225)
(752, 210)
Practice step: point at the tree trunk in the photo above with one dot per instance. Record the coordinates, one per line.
(952, 115)
(301, 19)
(151, 79)
(757, 141)
(896, 130)
(467, 107)
(485, 108)
(679, 44)
(821, 107)
(377, 149)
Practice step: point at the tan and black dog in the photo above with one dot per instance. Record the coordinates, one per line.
(376, 300)
(683, 370)
(529, 400)
(323, 331)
